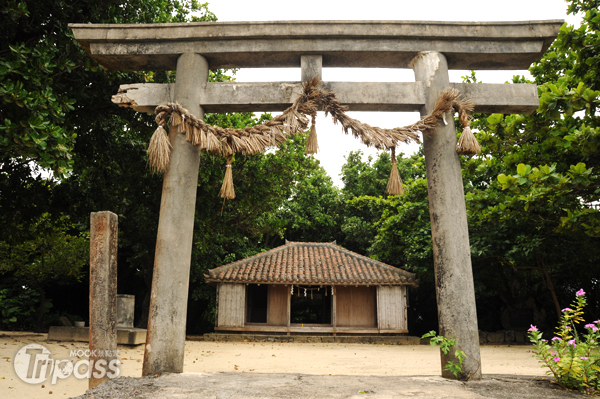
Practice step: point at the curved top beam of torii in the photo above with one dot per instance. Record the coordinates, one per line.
(366, 44)
(466, 45)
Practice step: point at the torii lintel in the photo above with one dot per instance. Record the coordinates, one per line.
(366, 44)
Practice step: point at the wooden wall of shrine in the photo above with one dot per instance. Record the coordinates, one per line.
(354, 309)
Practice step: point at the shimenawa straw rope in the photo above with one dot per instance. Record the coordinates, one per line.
(293, 120)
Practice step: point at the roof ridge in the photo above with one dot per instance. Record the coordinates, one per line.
(294, 263)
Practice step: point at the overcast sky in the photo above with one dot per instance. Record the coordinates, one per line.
(333, 144)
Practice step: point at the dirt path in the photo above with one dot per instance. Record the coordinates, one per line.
(289, 358)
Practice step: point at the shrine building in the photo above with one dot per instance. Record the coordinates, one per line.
(318, 288)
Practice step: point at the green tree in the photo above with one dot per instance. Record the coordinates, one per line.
(395, 229)
(55, 113)
(46, 77)
(53, 256)
(533, 194)
(313, 211)
(266, 187)
(365, 181)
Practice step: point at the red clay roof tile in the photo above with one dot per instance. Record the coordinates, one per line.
(310, 263)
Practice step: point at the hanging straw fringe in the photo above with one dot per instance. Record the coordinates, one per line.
(312, 145)
(294, 120)
(467, 143)
(394, 186)
(227, 190)
(159, 151)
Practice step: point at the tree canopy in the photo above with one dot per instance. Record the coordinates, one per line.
(532, 194)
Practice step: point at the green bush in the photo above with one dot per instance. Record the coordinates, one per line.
(573, 358)
(447, 344)
(18, 307)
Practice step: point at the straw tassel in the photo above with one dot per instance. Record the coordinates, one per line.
(394, 186)
(312, 145)
(175, 118)
(227, 190)
(467, 143)
(159, 151)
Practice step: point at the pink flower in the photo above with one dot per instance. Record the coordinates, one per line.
(581, 292)
(572, 342)
(556, 339)
(566, 310)
(556, 359)
(597, 322)
(583, 358)
(532, 328)
(553, 353)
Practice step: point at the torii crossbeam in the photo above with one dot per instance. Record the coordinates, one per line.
(429, 48)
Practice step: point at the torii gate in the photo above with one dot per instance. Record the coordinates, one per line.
(429, 48)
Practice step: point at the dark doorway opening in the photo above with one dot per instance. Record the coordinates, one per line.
(257, 298)
(314, 308)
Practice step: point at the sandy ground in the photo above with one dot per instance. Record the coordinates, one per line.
(319, 359)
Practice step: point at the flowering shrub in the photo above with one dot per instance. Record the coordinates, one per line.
(573, 358)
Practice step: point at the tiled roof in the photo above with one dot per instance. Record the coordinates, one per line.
(310, 263)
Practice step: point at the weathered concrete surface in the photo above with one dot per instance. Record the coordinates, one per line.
(457, 315)
(358, 96)
(311, 66)
(165, 341)
(104, 231)
(391, 44)
(125, 310)
(302, 386)
(125, 336)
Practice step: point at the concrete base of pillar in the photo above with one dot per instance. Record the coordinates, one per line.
(125, 336)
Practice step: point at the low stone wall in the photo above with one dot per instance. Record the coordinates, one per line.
(385, 340)
(125, 336)
(503, 337)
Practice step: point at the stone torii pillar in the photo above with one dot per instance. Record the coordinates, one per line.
(457, 315)
(430, 48)
(165, 340)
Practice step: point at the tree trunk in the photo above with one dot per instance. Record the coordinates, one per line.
(550, 287)
(547, 282)
(148, 271)
(39, 317)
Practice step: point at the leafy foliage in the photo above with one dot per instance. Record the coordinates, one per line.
(51, 256)
(47, 78)
(446, 345)
(18, 306)
(532, 194)
(313, 211)
(55, 114)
